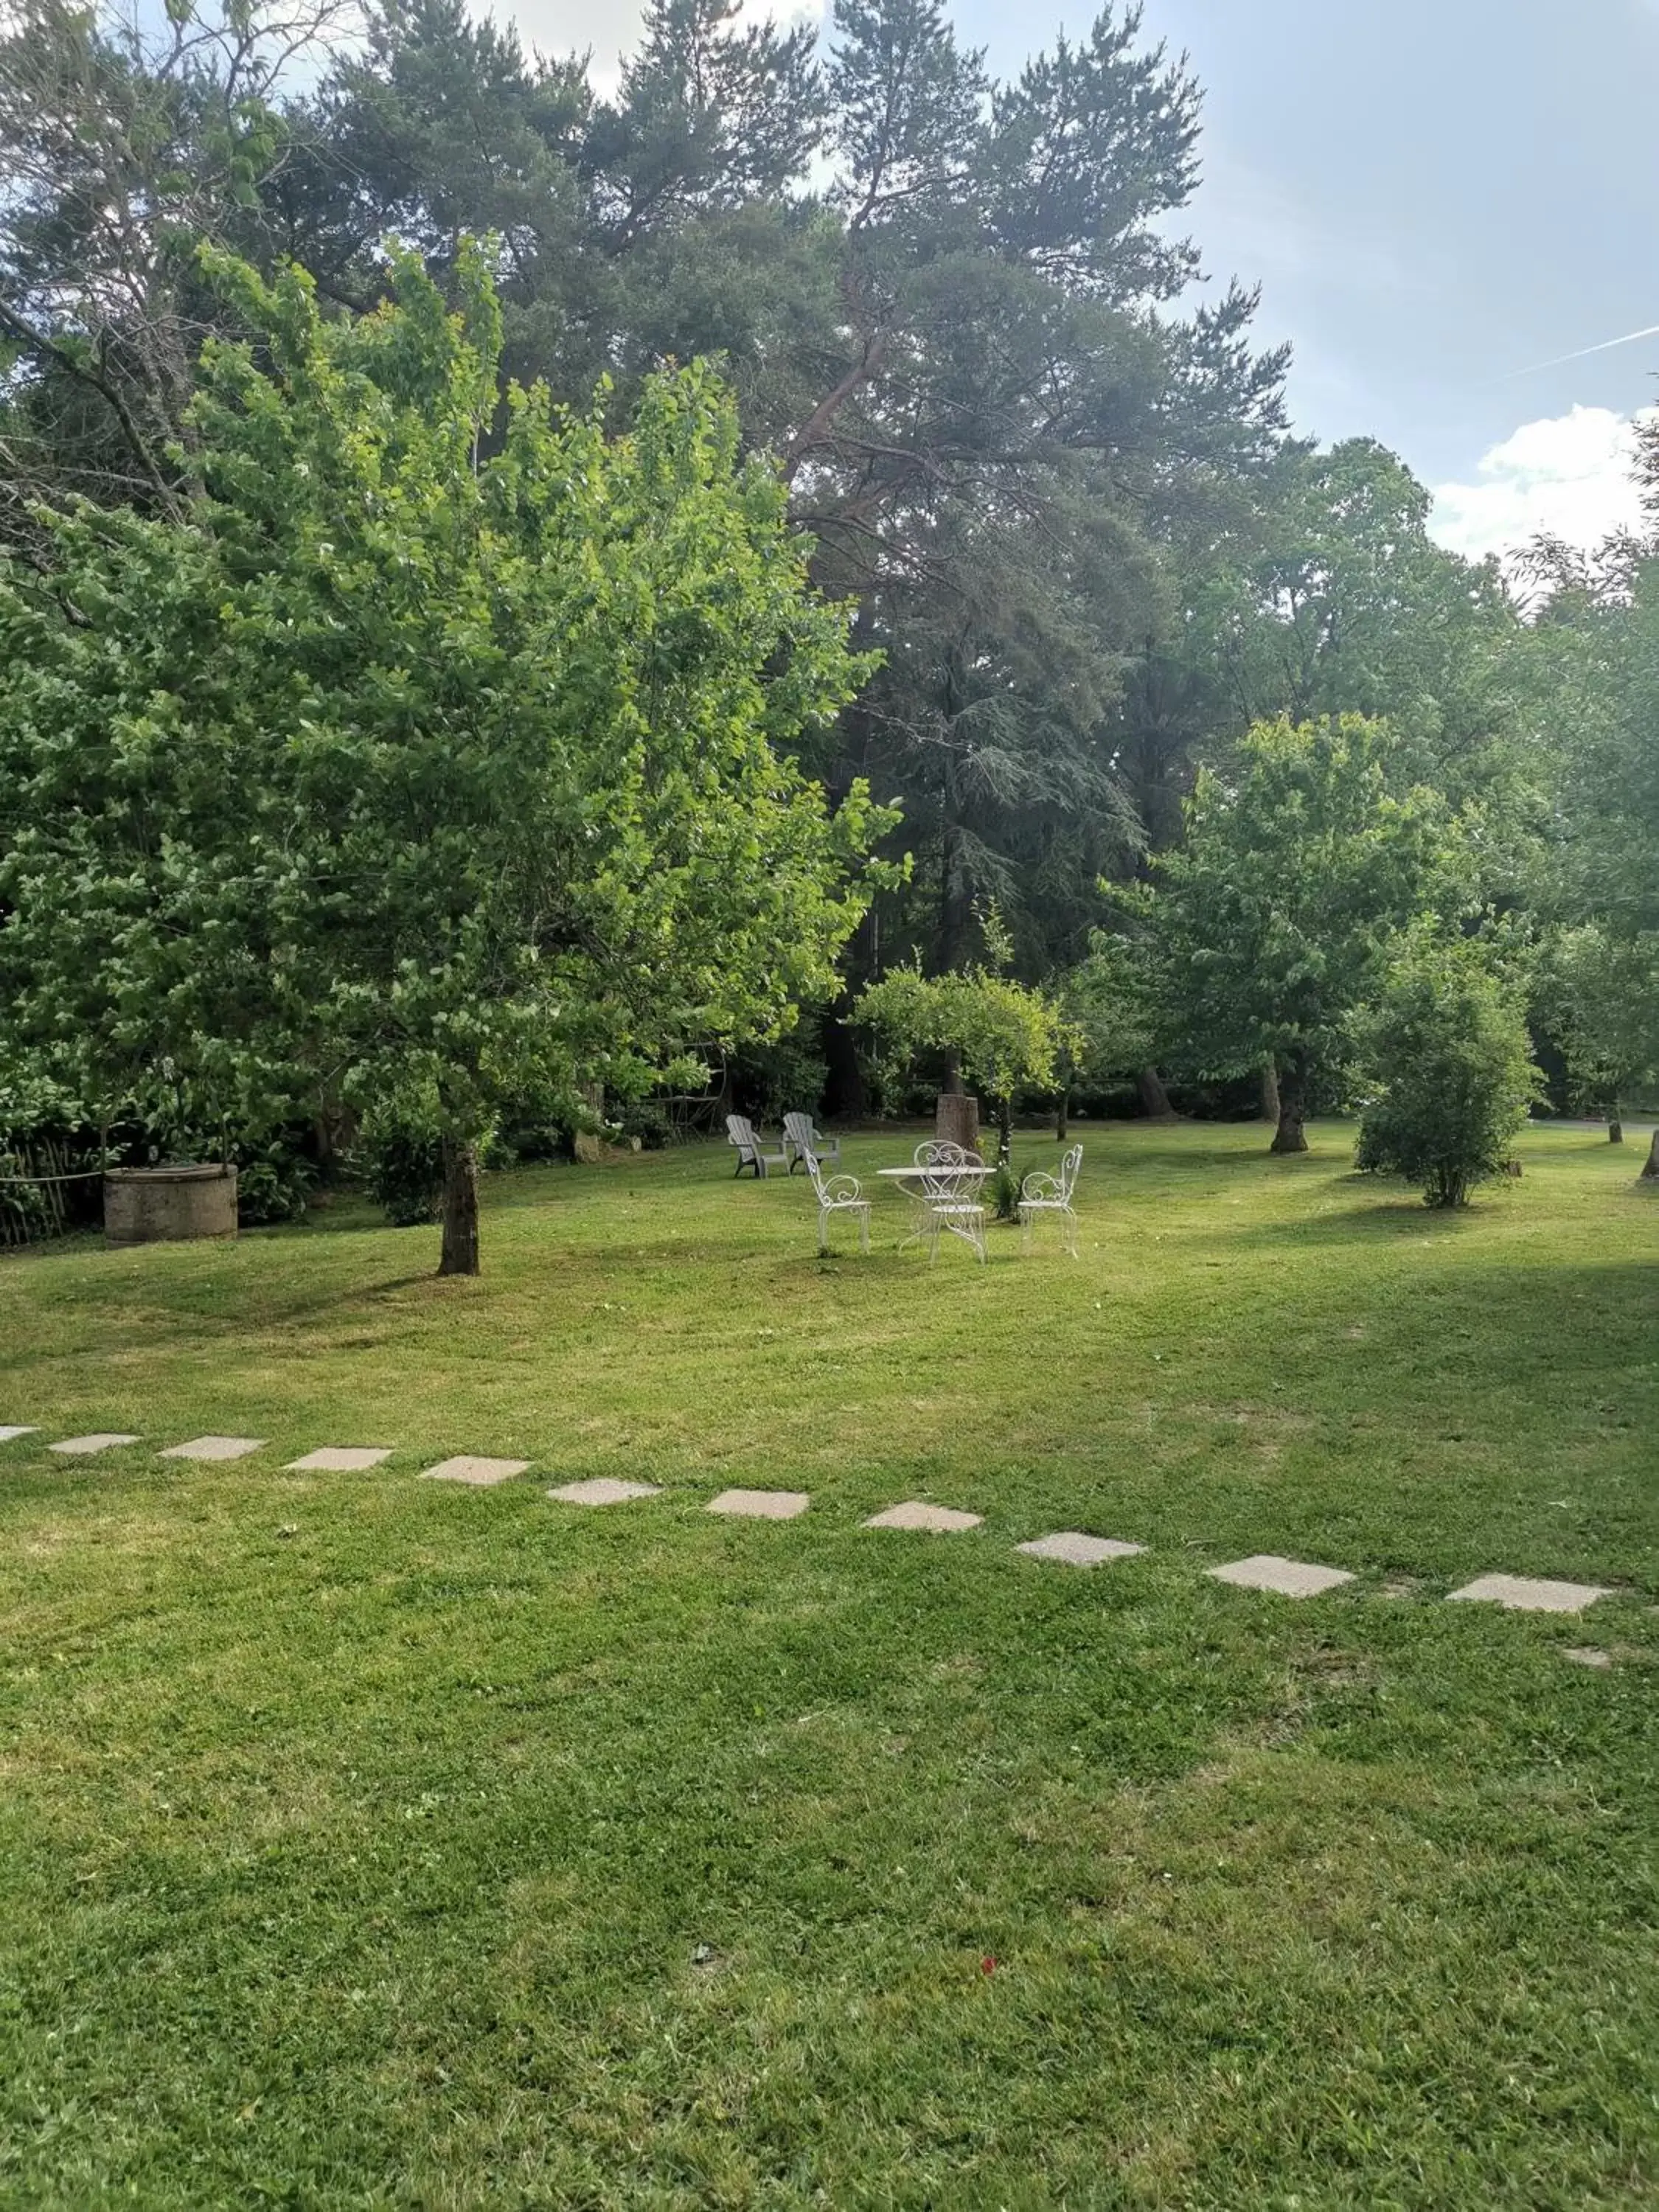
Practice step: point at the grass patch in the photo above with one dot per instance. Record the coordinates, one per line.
(367, 1842)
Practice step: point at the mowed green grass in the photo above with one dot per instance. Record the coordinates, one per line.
(367, 1842)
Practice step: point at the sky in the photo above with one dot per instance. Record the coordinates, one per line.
(1436, 198)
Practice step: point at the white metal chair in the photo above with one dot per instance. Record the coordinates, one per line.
(1042, 1194)
(837, 1194)
(752, 1153)
(803, 1140)
(947, 1200)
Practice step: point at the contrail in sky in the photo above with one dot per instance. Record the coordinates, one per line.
(1585, 352)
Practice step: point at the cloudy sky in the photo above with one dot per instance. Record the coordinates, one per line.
(1436, 196)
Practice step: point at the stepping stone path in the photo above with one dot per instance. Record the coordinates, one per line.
(604, 1490)
(1078, 1551)
(760, 1505)
(340, 1459)
(481, 1473)
(1586, 1654)
(1288, 1577)
(938, 1520)
(215, 1447)
(1263, 1570)
(1520, 1594)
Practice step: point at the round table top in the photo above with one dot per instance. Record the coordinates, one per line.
(939, 1167)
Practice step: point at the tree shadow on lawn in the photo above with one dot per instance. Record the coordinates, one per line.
(1395, 1214)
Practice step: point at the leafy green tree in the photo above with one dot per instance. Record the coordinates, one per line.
(425, 763)
(1589, 672)
(126, 137)
(1110, 1002)
(1598, 997)
(949, 307)
(1000, 1036)
(1446, 1047)
(1270, 924)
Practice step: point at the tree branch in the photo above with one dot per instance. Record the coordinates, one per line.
(86, 374)
(811, 432)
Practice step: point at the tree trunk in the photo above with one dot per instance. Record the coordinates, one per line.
(1062, 1118)
(1293, 1100)
(1615, 1130)
(955, 1119)
(1005, 1131)
(1652, 1166)
(953, 1075)
(1154, 1098)
(460, 1245)
(845, 1096)
(1270, 1092)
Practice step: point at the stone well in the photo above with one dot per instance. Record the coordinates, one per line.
(153, 1206)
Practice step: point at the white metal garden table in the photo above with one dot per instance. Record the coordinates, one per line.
(948, 1200)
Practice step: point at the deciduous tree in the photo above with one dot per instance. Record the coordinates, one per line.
(1271, 921)
(411, 769)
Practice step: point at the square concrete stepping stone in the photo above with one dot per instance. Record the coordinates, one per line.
(760, 1505)
(1586, 1654)
(82, 1447)
(341, 1458)
(604, 1490)
(1520, 1594)
(6, 1435)
(938, 1520)
(1074, 1550)
(1264, 1570)
(215, 1447)
(481, 1473)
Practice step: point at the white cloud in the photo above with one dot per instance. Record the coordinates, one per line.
(609, 29)
(1567, 474)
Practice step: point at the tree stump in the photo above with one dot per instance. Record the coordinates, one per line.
(956, 1119)
(1651, 1167)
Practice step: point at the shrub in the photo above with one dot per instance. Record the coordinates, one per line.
(648, 1119)
(785, 1077)
(1451, 1066)
(1004, 1188)
(274, 1180)
(402, 1164)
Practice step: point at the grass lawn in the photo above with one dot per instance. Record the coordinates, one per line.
(370, 1842)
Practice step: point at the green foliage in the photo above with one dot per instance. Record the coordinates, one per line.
(397, 772)
(787, 1076)
(1598, 997)
(1110, 1002)
(1268, 928)
(400, 1160)
(1447, 1049)
(1003, 1190)
(1006, 1036)
(274, 1180)
(951, 306)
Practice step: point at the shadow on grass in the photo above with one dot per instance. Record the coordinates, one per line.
(1395, 1212)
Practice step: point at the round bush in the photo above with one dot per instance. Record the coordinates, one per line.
(1451, 1066)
